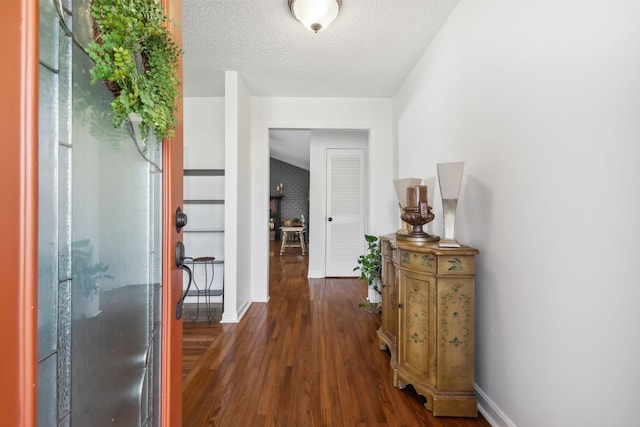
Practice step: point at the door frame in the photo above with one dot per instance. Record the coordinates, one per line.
(19, 269)
(19, 251)
(349, 138)
(172, 198)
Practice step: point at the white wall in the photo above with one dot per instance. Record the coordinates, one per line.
(204, 133)
(217, 136)
(542, 101)
(237, 282)
(204, 149)
(374, 115)
(246, 238)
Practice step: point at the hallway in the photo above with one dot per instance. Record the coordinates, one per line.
(309, 357)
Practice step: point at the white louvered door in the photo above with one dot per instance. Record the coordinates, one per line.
(345, 210)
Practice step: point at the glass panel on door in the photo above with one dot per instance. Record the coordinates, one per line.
(115, 263)
(100, 245)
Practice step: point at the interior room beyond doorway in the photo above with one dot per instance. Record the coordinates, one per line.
(289, 172)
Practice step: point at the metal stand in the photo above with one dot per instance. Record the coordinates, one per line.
(205, 290)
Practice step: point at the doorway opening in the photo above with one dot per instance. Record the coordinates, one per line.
(312, 147)
(289, 189)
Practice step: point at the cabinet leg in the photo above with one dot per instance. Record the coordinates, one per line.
(396, 381)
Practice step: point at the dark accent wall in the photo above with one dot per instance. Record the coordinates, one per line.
(296, 189)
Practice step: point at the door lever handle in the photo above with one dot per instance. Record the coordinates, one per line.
(180, 263)
(180, 304)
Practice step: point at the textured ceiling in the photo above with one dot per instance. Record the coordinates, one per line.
(366, 52)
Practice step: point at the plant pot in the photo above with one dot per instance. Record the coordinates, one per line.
(373, 297)
(91, 304)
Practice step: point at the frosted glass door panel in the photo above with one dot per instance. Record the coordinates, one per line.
(99, 272)
(116, 253)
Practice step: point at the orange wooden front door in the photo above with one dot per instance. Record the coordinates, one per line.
(19, 247)
(172, 330)
(19, 215)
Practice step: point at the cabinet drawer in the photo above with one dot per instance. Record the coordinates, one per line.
(456, 265)
(386, 247)
(417, 261)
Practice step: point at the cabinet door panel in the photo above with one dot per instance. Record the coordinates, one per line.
(417, 325)
(389, 300)
(456, 334)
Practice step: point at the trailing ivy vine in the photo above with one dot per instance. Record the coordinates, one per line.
(137, 59)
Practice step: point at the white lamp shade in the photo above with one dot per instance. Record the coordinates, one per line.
(401, 188)
(315, 15)
(450, 176)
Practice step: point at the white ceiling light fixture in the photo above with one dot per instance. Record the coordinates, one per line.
(316, 15)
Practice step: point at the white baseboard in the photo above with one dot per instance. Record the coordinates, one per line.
(491, 412)
(243, 309)
(315, 274)
(227, 318)
(235, 317)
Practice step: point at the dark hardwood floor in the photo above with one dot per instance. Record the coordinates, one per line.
(308, 357)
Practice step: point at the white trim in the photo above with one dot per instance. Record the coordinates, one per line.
(231, 198)
(491, 412)
(315, 274)
(374, 114)
(236, 317)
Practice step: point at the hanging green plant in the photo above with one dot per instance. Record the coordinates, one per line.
(137, 60)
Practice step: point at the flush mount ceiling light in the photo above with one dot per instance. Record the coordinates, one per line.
(316, 15)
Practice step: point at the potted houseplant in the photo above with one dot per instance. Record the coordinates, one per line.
(370, 265)
(87, 275)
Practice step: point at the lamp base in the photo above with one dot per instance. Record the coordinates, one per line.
(417, 239)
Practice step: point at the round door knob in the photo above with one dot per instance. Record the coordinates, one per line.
(181, 219)
(330, 219)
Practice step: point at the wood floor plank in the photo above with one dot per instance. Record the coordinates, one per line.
(308, 357)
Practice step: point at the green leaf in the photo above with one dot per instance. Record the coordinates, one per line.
(134, 49)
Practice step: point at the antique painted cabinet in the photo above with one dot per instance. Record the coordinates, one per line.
(428, 322)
